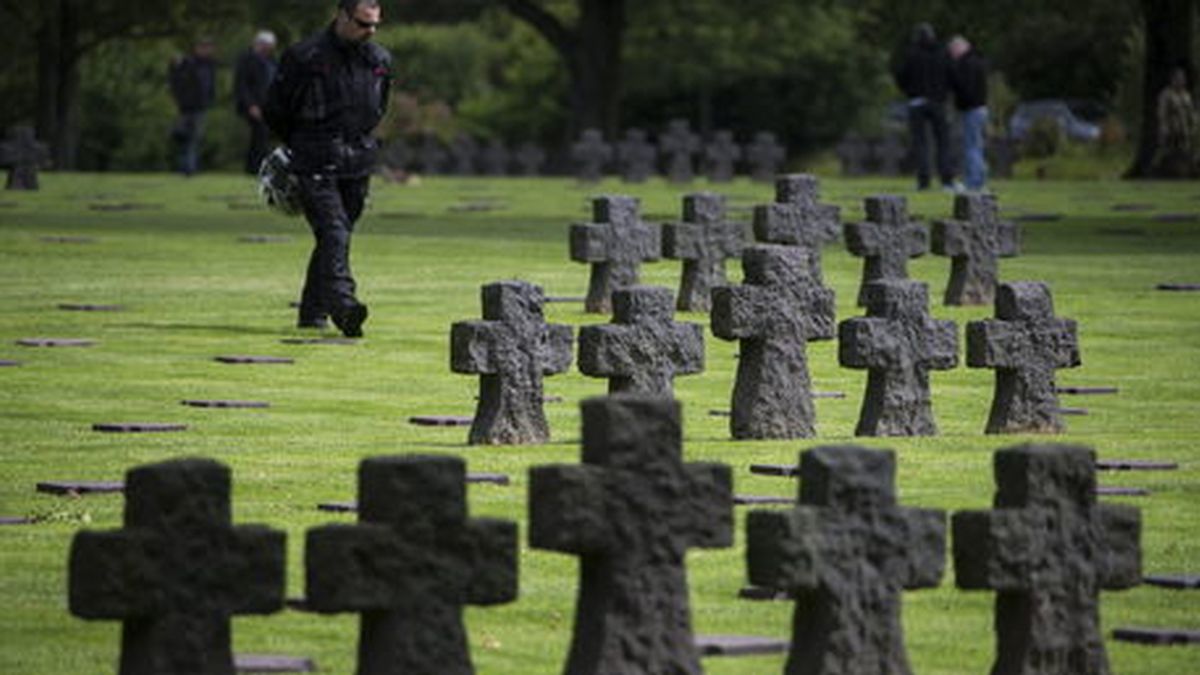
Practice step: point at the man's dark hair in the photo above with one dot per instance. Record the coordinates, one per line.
(348, 6)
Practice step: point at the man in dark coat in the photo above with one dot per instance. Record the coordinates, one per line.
(329, 95)
(193, 80)
(924, 77)
(252, 77)
(969, 80)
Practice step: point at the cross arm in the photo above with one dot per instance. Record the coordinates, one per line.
(994, 549)
(650, 237)
(783, 548)
(558, 349)
(471, 348)
(605, 350)
(255, 565)
(925, 539)
(343, 570)
(865, 343)
(863, 239)
(113, 574)
(589, 242)
(490, 550)
(682, 241)
(687, 348)
(1120, 551)
(916, 239)
(993, 343)
(566, 509)
(949, 238)
(738, 312)
(708, 505)
(776, 223)
(941, 345)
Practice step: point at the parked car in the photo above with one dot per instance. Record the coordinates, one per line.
(1073, 126)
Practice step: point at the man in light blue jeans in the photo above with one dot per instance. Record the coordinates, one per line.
(968, 80)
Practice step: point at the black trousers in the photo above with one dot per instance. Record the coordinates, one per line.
(332, 206)
(933, 116)
(260, 144)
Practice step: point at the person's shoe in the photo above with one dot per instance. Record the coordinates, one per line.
(318, 323)
(350, 320)
(954, 188)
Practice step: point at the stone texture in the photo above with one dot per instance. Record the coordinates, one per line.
(615, 245)
(643, 349)
(774, 314)
(636, 157)
(721, 156)
(178, 571)
(847, 552)
(410, 565)
(22, 154)
(1025, 344)
(1048, 549)
(898, 344)
(630, 512)
(703, 241)
(765, 155)
(974, 240)
(591, 155)
(797, 218)
(885, 241)
(679, 146)
(511, 350)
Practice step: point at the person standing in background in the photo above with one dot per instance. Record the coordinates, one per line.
(252, 77)
(193, 80)
(924, 77)
(969, 80)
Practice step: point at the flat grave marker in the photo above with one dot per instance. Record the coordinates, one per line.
(197, 403)
(1121, 491)
(11, 521)
(1133, 207)
(739, 645)
(79, 488)
(1087, 391)
(1176, 582)
(138, 427)
(267, 663)
(1157, 636)
(763, 500)
(6, 363)
(265, 239)
(1134, 465)
(56, 342)
(331, 341)
(1185, 287)
(1037, 217)
(67, 239)
(73, 307)
(245, 359)
(1176, 217)
(441, 420)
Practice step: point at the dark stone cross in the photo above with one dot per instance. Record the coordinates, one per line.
(765, 155)
(410, 565)
(22, 154)
(885, 241)
(615, 245)
(720, 157)
(511, 350)
(178, 571)
(853, 152)
(636, 156)
(974, 240)
(679, 146)
(846, 553)
(1048, 549)
(631, 512)
(643, 349)
(530, 158)
(464, 150)
(1002, 153)
(591, 154)
(432, 156)
(898, 344)
(781, 307)
(889, 152)
(797, 218)
(495, 158)
(1025, 343)
(703, 241)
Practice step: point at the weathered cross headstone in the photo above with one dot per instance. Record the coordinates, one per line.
(1025, 343)
(797, 218)
(22, 154)
(636, 156)
(464, 150)
(495, 158)
(847, 552)
(631, 512)
(898, 344)
(679, 146)
(432, 156)
(781, 306)
(410, 565)
(853, 152)
(178, 571)
(615, 245)
(643, 349)
(511, 350)
(703, 241)
(974, 240)
(530, 158)
(765, 155)
(721, 155)
(1048, 549)
(591, 155)
(885, 241)
(889, 153)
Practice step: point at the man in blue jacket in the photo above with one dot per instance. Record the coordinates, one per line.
(924, 77)
(968, 79)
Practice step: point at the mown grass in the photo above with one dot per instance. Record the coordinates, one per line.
(192, 291)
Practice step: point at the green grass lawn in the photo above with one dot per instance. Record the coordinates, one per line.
(193, 291)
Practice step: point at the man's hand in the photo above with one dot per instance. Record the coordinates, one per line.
(255, 113)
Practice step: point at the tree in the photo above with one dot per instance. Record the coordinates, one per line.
(1169, 27)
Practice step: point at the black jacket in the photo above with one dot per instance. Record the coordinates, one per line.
(925, 72)
(968, 79)
(193, 83)
(251, 79)
(327, 98)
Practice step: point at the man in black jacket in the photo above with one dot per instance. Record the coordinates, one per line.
(924, 77)
(251, 78)
(968, 78)
(193, 81)
(331, 92)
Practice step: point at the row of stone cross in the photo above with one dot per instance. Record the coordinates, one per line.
(781, 306)
(890, 155)
(21, 153)
(179, 570)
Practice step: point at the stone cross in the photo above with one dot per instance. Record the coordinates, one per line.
(885, 241)
(495, 158)
(22, 154)
(530, 158)
(615, 245)
(720, 156)
(898, 344)
(779, 309)
(643, 349)
(797, 218)
(511, 350)
(636, 156)
(1048, 549)
(679, 146)
(432, 156)
(765, 156)
(703, 241)
(591, 154)
(1025, 343)
(853, 152)
(974, 240)
(847, 552)
(630, 512)
(890, 152)
(178, 571)
(410, 565)
(464, 149)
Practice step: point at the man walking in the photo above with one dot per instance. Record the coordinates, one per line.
(969, 80)
(331, 92)
(251, 78)
(924, 77)
(193, 81)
